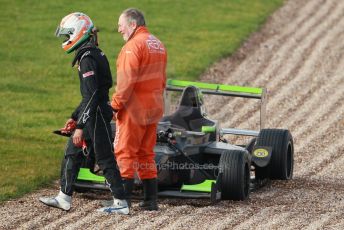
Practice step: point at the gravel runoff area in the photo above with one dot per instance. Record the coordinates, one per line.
(298, 57)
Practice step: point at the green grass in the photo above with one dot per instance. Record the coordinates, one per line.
(39, 89)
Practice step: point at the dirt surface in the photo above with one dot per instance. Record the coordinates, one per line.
(298, 57)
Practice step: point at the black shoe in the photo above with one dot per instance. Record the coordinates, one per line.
(150, 191)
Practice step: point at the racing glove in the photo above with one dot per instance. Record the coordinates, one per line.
(69, 126)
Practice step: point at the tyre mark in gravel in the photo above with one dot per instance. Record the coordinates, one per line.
(67, 217)
(319, 222)
(274, 221)
(330, 170)
(110, 221)
(224, 222)
(84, 220)
(174, 217)
(331, 99)
(79, 212)
(327, 86)
(311, 157)
(311, 93)
(337, 223)
(321, 116)
(292, 202)
(285, 50)
(144, 216)
(326, 157)
(263, 213)
(232, 217)
(188, 221)
(321, 124)
(296, 119)
(310, 99)
(229, 214)
(229, 217)
(315, 217)
(245, 115)
(309, 51)
(309, 12)
(19, 215)
(156, 223)
(294, 20)
(238, 78)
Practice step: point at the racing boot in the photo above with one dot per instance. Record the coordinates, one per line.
(150, 195)
(128, 189)
(118, 206)
(61, 201)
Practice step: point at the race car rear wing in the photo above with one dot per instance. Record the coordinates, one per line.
(226, 90)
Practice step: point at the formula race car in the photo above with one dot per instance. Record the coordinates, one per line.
(194, 159)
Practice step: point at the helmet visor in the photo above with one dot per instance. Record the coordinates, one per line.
(63, 31)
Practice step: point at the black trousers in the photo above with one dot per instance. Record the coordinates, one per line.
(97, 134)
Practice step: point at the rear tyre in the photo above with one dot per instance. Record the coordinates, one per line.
(281, 164)
(235, 168)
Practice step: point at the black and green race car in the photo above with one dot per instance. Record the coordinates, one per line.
(194, 159)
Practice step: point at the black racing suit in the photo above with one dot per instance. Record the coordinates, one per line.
(93, 115)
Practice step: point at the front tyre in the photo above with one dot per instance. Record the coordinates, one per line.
(235, 168)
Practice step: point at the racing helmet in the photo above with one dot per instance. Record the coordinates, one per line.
(77, 28)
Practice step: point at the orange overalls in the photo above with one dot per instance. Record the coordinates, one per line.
(141, 80)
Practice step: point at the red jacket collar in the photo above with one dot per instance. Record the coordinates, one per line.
(138, 30)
